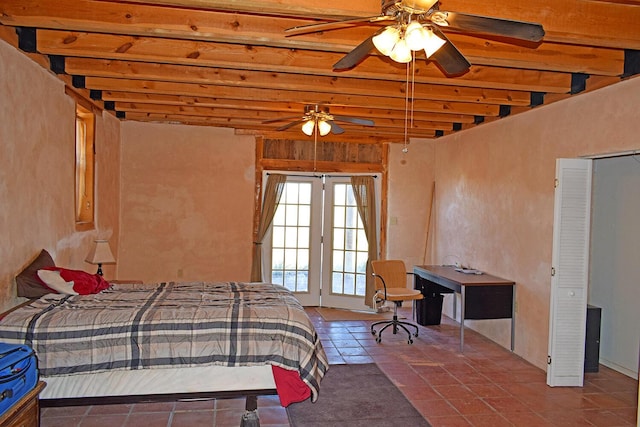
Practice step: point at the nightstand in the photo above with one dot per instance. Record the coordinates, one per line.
(26, 411)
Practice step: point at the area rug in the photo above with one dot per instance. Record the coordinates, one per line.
(336, 314)
(356, 395)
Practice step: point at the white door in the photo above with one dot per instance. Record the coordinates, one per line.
(293, 257)
(318, 248)
(345, 248)
(570, 272)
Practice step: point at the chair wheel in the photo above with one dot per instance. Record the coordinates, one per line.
(415, 335)
(410, 341)
(373, 332)
(378, 340)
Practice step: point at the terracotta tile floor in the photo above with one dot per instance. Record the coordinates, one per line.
(487, 385)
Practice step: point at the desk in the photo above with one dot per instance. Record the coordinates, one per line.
(482, 296)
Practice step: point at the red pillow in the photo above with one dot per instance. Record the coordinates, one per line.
(83, 283)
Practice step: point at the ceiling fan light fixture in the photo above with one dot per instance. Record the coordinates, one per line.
(401, 52)
(432, 42)
(386, 40)
(324, 127)
(307, 127)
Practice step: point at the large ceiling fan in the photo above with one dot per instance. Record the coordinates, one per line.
(416, 25)
(317, 117)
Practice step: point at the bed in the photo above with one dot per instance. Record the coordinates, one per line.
(170, 340)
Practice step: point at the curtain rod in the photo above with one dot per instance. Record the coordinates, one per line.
(321, 175)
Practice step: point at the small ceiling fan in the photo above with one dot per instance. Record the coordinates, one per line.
(416, 25)
(317, 117)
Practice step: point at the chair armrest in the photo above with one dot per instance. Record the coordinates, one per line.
(383, 283)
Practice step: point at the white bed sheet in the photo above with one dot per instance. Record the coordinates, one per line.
(159, 381)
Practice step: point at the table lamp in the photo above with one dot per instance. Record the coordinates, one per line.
(100, 254)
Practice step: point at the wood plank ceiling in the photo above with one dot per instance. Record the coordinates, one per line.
(229, 63)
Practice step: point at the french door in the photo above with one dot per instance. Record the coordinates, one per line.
(317, 246)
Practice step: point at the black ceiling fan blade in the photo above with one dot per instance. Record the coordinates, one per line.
(521, 30)
(292, 124)
(281, 119)
(356, 56)
(326, 26)
(355, 120)
(335, 128)
(449, 58)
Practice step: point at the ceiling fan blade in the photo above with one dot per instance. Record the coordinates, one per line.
(449, 58)
(356, 56)
(326, 26)
(292, 124)
(355, 120)
(528, 31)
(280, 119)
(335, 128)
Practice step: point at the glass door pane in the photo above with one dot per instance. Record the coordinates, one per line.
(291, 236)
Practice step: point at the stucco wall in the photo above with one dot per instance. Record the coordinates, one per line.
(187, 203)
(494, 197)
(37, 190)
(410, 184)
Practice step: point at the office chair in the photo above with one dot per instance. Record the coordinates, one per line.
(391, 285)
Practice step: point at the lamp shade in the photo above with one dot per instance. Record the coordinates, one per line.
(386, 40)
(431, 42)
(415, 36)
(401, 52)
(100, 253)
(307, 127)
(324, 127)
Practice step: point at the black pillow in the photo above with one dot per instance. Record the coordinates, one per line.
(28, 283)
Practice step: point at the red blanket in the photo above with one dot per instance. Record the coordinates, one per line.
(291, 388)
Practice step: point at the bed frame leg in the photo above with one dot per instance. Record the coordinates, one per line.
(250, 416)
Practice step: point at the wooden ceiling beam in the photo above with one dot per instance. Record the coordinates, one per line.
(266, 59)
(261, 79)
(285, 108)
(257, 126)
(420, 120)
(599, 23)
(332, 9)
(225, 27)
(212, 91)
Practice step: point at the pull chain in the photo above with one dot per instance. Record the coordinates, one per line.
(405, 149)
(315, 145)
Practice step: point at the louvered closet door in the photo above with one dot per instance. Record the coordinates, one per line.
(570, 272)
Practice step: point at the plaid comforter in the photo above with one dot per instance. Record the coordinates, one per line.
(145, 326)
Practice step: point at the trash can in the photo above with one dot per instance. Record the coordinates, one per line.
(429, 309)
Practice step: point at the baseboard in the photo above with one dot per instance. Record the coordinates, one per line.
(618, 368)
